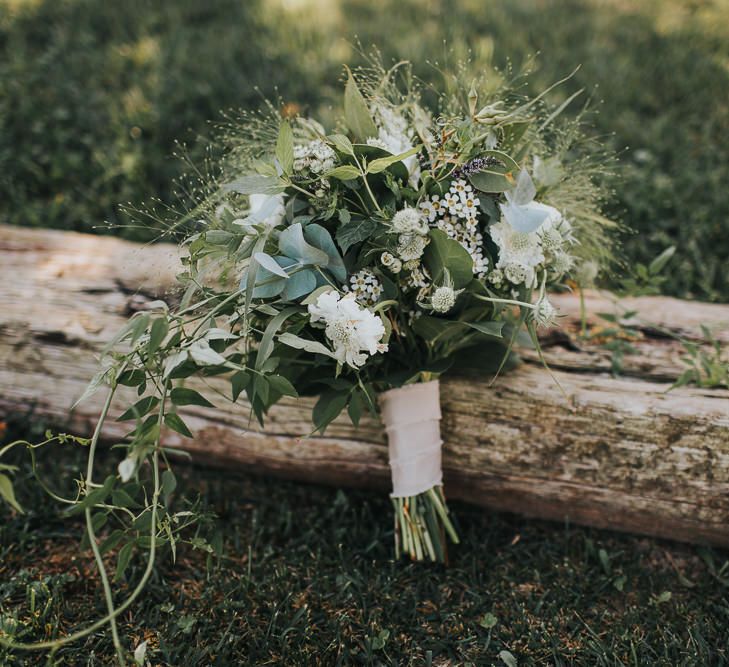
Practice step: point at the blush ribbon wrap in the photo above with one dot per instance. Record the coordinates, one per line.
(411, 415)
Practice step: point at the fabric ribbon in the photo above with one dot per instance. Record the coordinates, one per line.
(411, 415)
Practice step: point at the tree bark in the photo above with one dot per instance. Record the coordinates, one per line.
(581, 445)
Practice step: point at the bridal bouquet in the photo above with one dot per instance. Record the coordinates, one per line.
(360, 264)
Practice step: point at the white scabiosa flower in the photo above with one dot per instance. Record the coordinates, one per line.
(391, 262)
(409, 221)
(354, 332)
(561, 263)
(443, 299)
(411, 246)
(519, 253)
(586, 273)
(544, 313)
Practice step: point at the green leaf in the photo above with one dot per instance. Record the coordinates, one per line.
(327, 409)
(169, 484)
(122, 561)
(380, 164)
(122, 499)
(282, 385)
(345, 172)
(488, 328)
(7, 493)
(301, 283)
(131, 378)
(291, 242)
(320, 238)
(266, 347)
(174, 421)
(255, 185)
(444, 254)
(285, 148)
(356, 114)
(342, 144)
(260, 388)
(270, 264)
(185, 396)
(303, 344)
(238, 382)
(140, 408)
(355, 232)
(491, 180)
(658, 264)
(157, 334)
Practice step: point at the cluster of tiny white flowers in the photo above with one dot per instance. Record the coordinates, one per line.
(365, 286)
(456, 213)
(316, 156)
(353, 331)
(395, 136)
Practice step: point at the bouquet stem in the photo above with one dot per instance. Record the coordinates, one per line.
(421, 525)
(422, 522)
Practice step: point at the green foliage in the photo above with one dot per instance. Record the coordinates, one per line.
(707, 361)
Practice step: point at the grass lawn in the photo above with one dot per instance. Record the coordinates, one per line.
(307, 578)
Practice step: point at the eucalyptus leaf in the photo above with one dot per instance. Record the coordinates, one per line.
(270, 264)
(292, 243)
(319, 237)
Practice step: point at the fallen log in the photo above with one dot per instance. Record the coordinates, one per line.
(591, 448)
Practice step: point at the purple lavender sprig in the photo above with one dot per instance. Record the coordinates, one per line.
(474, 166)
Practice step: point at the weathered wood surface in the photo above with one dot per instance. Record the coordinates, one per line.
(618, 452)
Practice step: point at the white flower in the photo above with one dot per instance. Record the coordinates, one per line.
(586, 273)
(127, 468)
(518, 274)
(431, 209)
(544, 313)
(391, 262)
(443, 299)
(395, 136)
(365, 286)
(561, 263)
(516, 249)
(411, 246)
(409, 221)
(265, 210)
(316, 156)
(354, 332)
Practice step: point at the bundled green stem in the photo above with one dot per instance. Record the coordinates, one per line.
(421, 525)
